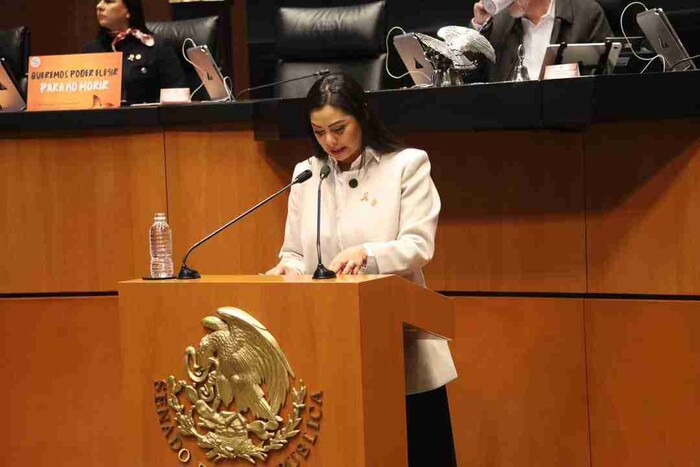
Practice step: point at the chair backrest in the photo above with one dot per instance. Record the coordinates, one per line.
(15, 48)
(348, 39)
(203, 31)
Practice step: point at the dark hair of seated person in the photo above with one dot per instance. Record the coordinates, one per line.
(341, 91)
(145, 68)
(137, 20)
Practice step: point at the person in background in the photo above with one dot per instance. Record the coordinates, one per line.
(148, 65)
(379, 213)
(536, 24)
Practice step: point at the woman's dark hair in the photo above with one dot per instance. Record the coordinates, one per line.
(136, 21)
(341, 91)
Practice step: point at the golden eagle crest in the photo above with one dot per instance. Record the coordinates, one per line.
(238, 362)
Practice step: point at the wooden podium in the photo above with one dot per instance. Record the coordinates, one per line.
(342, 338)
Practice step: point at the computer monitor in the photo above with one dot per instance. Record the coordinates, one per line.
(10, 98)
(411, 52)
(597, 57)
(209, 73)
(664, 40)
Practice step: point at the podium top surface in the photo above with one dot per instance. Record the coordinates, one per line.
(262, 279)
(408, 302)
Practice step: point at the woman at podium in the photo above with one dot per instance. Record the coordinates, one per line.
(147, 63)
(379, 213)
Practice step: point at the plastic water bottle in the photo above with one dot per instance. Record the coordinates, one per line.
(161, 247)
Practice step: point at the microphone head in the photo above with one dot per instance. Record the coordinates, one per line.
(304, 176)
(323, 72)
(325, 171)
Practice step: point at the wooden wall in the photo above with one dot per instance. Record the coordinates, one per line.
(536, 226)
(225, 164)
(513, 211)
(576, 382)
(641, 214)
(62, 363)
(611, 210)
(75, 209)
(644, 381)
(521, 398)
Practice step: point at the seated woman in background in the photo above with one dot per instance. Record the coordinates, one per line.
(379, 214)
(148, 64)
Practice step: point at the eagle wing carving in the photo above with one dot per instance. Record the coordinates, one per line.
(259, 360)
(465, 40)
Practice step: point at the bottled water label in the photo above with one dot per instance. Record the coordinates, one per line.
(161, 242)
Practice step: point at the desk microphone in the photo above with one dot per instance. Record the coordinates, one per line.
(187, 273)
(321, 271)
(323, 72)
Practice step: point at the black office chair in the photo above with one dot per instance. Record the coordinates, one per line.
(15, 48)
(348, 39)
(203, 31)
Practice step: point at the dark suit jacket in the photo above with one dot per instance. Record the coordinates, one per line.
(576, 21)
(145, 70)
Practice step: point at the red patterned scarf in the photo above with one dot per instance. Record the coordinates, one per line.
(146, 39)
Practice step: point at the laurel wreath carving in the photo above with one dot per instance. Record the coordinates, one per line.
(228, 433)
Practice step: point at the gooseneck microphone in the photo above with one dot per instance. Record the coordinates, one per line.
(188, 273)
(323, 72)
(321, 271)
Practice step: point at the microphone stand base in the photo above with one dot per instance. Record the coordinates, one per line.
(323, 273)
(187, 273)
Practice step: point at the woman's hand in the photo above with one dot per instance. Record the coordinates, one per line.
(282, 270)
(350, 261)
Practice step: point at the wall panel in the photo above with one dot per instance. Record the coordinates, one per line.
(512, 211)
(520, 398)
(61, 367)
(643, 207)
(644, 382)
(75, 209)
(217, 173)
